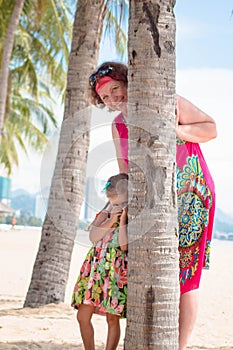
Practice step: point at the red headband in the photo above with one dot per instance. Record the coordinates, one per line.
(102, 81)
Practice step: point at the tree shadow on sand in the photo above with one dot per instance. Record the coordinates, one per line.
(22, 345)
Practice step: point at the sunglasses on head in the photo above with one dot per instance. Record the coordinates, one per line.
(101, 72)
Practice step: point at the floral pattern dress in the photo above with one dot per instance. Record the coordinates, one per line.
(196, 206)
(102, 281)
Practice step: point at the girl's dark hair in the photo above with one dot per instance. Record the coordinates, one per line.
(117, 184)
(117, 68)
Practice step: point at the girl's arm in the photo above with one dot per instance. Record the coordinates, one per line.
(102, 225)
(192, 124)
(123, 168)
(123, 235)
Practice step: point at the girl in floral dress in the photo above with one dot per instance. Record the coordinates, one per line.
(102, 283)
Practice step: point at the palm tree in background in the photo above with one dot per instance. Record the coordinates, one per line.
(51, 268)
(37, 72)
(153, 287)
(50, 272)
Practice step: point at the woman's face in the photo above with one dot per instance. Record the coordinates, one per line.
(114, 95)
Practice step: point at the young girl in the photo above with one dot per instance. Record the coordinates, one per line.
(102, 283)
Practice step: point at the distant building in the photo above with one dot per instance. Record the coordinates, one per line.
(5, 190)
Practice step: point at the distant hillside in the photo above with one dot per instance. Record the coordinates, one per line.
(224, 217)
(19, 192)
(223, 222)
(23, 201)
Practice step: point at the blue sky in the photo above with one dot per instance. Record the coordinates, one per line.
(204, 33)
(204, 51)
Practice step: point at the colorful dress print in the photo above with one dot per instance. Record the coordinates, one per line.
(102, 281)
(196, 206)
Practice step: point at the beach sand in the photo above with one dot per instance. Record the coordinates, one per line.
(54, 327)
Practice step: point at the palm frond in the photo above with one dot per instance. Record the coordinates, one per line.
(37, 73)
(41, 57)
(115, 25)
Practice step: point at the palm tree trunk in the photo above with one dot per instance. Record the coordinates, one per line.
(153, 283)
(6, 56)
(50, 273)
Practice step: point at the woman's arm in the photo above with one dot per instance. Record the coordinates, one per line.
(192, 124)
(123, 168)
(123, 235)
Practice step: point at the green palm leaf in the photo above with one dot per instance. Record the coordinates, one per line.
(37, 72)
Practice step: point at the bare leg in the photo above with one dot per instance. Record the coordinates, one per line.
(87, 332)
(113, 331)
(188, 316)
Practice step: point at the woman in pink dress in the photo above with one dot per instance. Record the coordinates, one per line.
(195, 187)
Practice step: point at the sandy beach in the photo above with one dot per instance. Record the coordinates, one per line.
(54, 327)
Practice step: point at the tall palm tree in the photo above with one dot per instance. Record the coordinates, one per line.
(153, 287)
(52, 263)
(66, 194)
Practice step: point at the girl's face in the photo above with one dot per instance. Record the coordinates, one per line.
(114, 95)
(120, 200)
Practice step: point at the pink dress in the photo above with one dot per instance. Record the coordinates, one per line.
(196, 206)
